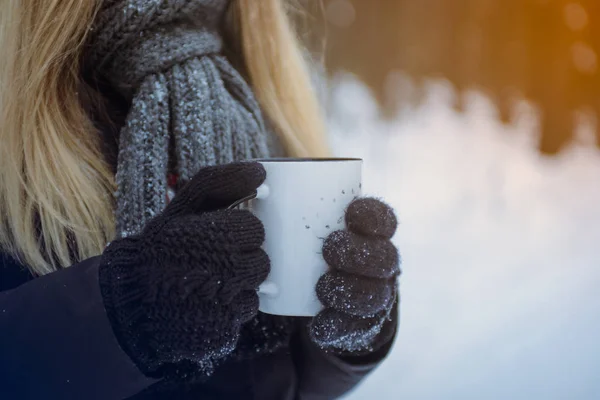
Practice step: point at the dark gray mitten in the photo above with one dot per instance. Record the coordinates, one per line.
(179, 292)
(360, 289)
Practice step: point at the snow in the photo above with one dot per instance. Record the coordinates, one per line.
(500, 248)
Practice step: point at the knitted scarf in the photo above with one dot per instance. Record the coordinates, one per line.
(187, 100)
(189, 108)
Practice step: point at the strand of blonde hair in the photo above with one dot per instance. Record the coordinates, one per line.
(280, 77)
(54, 184)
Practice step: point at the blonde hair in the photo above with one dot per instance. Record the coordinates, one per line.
(55, 188)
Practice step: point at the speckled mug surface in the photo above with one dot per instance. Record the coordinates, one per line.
(301, 202)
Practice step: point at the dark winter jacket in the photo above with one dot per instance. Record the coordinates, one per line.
(56, 343)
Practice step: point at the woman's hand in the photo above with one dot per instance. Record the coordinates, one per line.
(182, 288)
(360, 289)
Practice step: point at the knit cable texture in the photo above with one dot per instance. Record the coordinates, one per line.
(182, 289)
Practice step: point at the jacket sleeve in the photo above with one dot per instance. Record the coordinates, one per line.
(56, 341)
(323, 375)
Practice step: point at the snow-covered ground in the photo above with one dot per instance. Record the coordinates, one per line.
(501, 250)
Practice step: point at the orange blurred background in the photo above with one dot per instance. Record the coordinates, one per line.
(543, 51)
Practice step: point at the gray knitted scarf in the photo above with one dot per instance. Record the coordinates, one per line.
(187, 100)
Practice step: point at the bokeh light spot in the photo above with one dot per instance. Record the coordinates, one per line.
(576, 17)
(584, 58)
(340, 13)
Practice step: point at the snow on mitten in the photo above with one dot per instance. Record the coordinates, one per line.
(360, 289)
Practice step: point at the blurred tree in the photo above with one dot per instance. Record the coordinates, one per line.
(542, 50)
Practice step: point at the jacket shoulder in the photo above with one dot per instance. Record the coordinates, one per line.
(12, 273)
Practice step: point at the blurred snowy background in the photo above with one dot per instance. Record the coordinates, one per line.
(500, 245)
(477, 120)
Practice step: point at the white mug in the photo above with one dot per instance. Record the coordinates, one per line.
(300, 203)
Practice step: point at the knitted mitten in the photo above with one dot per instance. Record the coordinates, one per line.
(360, 289)
(182, 288)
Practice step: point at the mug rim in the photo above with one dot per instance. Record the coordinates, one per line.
(306, 159)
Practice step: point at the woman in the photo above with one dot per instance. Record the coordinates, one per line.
(143, 99)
